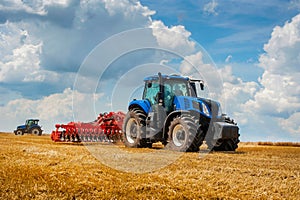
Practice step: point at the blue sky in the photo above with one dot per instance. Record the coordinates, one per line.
(224, 28)
(65, 60)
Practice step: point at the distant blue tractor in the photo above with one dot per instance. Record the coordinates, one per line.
(31, 126)
(171, 113)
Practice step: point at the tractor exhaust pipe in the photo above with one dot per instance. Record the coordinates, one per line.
(161, 90)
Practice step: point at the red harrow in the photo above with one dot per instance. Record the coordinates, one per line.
(106, 128)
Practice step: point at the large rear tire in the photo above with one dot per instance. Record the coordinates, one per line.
(36, 131)
(184, 134)
(134, 129)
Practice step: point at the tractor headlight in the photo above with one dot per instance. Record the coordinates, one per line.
(205, 109)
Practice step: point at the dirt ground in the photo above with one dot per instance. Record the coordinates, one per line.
(34, 167)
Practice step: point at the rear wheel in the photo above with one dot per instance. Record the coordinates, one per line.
(36, 131)
(183, 134)
(134, 128)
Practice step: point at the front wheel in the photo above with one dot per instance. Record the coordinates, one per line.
(229, 144)
(183, 134)
(19, 132)
(224, 145)
(134, 128)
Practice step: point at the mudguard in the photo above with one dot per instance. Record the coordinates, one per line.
(144, 104)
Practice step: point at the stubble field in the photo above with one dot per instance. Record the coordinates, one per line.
(33, 167)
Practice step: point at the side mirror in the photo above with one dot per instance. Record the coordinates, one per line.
(201, 85)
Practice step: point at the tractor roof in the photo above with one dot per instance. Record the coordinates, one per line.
(32, 120)
(172, 76)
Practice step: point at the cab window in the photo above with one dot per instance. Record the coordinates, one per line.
(150, 92)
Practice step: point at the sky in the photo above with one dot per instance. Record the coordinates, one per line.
(68, 60)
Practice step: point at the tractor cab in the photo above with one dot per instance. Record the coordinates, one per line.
(31, 122)
(162, 89)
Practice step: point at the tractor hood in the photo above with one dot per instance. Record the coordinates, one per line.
(214, 107)
(21, 127)
(207, 107)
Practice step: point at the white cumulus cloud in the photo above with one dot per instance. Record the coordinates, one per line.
(127, 8)
(291, 124)
(173, 38)
(50, 49)
(235, 92)
(279, 96)
(20, 54)
(38, 7)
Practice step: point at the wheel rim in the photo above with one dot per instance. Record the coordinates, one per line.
(178, 135)
(131, 130)
(19, 132)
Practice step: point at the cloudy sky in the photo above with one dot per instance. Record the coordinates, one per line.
(65, 60)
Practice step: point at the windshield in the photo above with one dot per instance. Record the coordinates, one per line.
(31, 122)
(176, 88)
(171, 88)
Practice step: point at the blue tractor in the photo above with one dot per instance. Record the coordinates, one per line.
(171, 113)
(31, 126)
